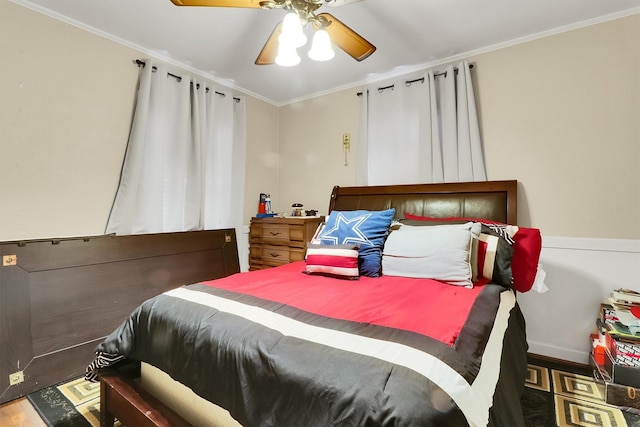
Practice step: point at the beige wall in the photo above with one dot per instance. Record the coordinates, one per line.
(65, 111)
(63, 125)
(312, 160)
(560, 114)
(263, 158)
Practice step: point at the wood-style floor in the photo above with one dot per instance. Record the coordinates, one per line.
(19, 413)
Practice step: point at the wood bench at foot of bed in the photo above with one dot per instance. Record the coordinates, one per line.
(123, 399)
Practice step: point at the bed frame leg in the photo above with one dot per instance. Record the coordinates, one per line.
(106, 418)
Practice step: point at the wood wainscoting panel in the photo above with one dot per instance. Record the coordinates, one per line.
(63, 296)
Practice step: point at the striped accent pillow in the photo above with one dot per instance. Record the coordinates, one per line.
(495, 251)
(339, 261)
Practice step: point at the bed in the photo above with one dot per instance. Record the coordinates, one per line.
(301, 344)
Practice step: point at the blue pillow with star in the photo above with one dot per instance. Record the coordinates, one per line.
(367, 229)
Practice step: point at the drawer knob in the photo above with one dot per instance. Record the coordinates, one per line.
(275, 233)
(275, 255)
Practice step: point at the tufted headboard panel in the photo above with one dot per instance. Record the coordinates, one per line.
(494, 200)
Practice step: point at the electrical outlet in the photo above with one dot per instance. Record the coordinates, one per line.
(16, 378)
(8, 260)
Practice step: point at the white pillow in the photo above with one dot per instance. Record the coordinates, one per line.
(440, 252)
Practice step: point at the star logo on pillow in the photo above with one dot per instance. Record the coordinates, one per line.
(347, 231)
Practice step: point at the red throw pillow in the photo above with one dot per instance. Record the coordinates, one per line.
(526, 256)
(526, 250)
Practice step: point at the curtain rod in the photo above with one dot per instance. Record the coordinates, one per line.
(141, 63)
(410, 82)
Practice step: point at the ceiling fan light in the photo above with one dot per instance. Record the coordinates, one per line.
(287, 55)
(321, 49)
(292, 30)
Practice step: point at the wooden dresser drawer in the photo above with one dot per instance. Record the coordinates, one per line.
(268, 254)
(277, 233)
(277, 241)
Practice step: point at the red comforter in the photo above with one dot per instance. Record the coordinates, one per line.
(428, 307)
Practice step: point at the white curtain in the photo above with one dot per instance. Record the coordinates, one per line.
(421, 131)
(185, 160)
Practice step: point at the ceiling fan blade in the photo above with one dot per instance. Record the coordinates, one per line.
(347, 39)
(269, 51)
(218, 3)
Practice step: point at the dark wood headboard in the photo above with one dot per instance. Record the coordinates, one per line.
(59, 298)
(494, 200)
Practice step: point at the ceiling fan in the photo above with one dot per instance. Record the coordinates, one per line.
(340, 34)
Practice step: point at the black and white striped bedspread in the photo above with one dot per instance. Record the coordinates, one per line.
(270, 364)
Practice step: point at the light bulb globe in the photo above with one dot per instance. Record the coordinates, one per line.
(321, 49)
(287, 55)
(292, 30)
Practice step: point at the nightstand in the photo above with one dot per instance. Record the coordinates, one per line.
(276, 241)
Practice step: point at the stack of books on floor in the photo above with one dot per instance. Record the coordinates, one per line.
(616, 348)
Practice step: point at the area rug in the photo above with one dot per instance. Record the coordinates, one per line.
(74, 403)
(555, 395)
